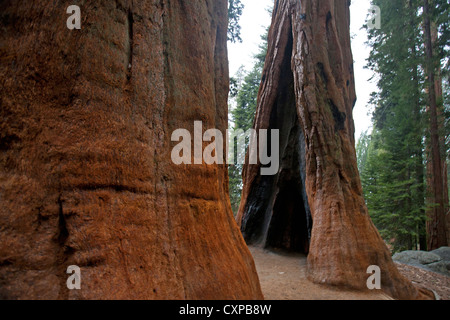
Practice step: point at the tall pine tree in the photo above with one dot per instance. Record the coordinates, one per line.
(245, 92)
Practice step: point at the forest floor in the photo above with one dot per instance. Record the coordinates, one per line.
(283, 277)
(439, 283)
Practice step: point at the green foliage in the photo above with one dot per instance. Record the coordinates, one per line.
(391, 160)
(393, 195)
(235, 8)
(392, 168)
(235, 186)
(244, 91)
(362, 149)
(441, 15)
(446, 134)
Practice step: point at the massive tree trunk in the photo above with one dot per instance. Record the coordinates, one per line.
(86, 176)
(436, 224)
(308, 93)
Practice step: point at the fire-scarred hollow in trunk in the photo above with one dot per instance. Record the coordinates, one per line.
(277, 212)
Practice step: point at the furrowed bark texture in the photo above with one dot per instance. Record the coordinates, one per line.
(309, 69)
(436, 165)
(86, 176)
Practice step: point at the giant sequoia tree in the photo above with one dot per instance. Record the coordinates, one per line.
(437, 184)
(315, 202)
(86, 176)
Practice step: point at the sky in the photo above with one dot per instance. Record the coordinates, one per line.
(255, 19)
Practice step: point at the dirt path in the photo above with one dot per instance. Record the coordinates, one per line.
(283, 277)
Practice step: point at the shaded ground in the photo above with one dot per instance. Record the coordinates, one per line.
(283, 277)
(439, 283)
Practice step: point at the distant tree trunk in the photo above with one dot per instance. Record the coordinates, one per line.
(436, 224)
(441, 125)
(86, 176)
(444, 169)
(419, 172)
(308, 93)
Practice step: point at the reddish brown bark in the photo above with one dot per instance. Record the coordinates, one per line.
(309, 58)
(86, 176)
(436, 224)
(430, 177)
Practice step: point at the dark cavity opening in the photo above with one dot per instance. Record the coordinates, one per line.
(291, 223)
(277, 213)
